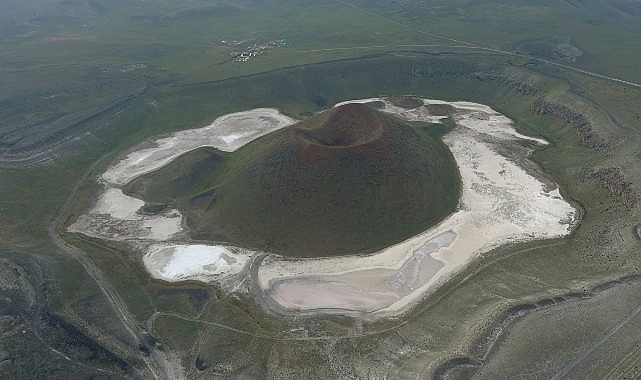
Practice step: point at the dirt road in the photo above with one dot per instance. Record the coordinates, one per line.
(157, 362)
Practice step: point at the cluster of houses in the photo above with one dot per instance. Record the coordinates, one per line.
(252, 50)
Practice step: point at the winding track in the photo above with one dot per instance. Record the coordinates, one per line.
(157, 362)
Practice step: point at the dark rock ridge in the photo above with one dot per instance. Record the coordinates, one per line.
(583, 126)
(430, 72)
(622, 190)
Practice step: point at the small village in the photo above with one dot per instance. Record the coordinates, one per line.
(250, 49)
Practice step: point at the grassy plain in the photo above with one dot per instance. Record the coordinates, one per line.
(72, 89)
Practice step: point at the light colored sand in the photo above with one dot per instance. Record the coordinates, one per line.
(375, 287)
(227, 133)
(328, 295)
(192, 262)
(416, 114)
(488, 122)
(501, 202)
(117, 216)
(113, 202)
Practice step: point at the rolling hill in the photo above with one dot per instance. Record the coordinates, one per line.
(348, 180)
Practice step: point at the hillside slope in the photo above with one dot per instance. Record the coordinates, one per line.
(348, 180)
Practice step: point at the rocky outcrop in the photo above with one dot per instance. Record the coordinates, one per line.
(524, 88)
(427, 72)
(580, 122)
(613, 180)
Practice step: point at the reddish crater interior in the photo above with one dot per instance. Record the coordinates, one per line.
(348, 125)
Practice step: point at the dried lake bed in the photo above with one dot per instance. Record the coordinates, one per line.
(505, 198)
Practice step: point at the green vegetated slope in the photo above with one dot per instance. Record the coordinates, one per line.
(348, 180)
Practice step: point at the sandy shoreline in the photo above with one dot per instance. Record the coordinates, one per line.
(503, 200)
(192, 262)
(117, 216)
(227, 133)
